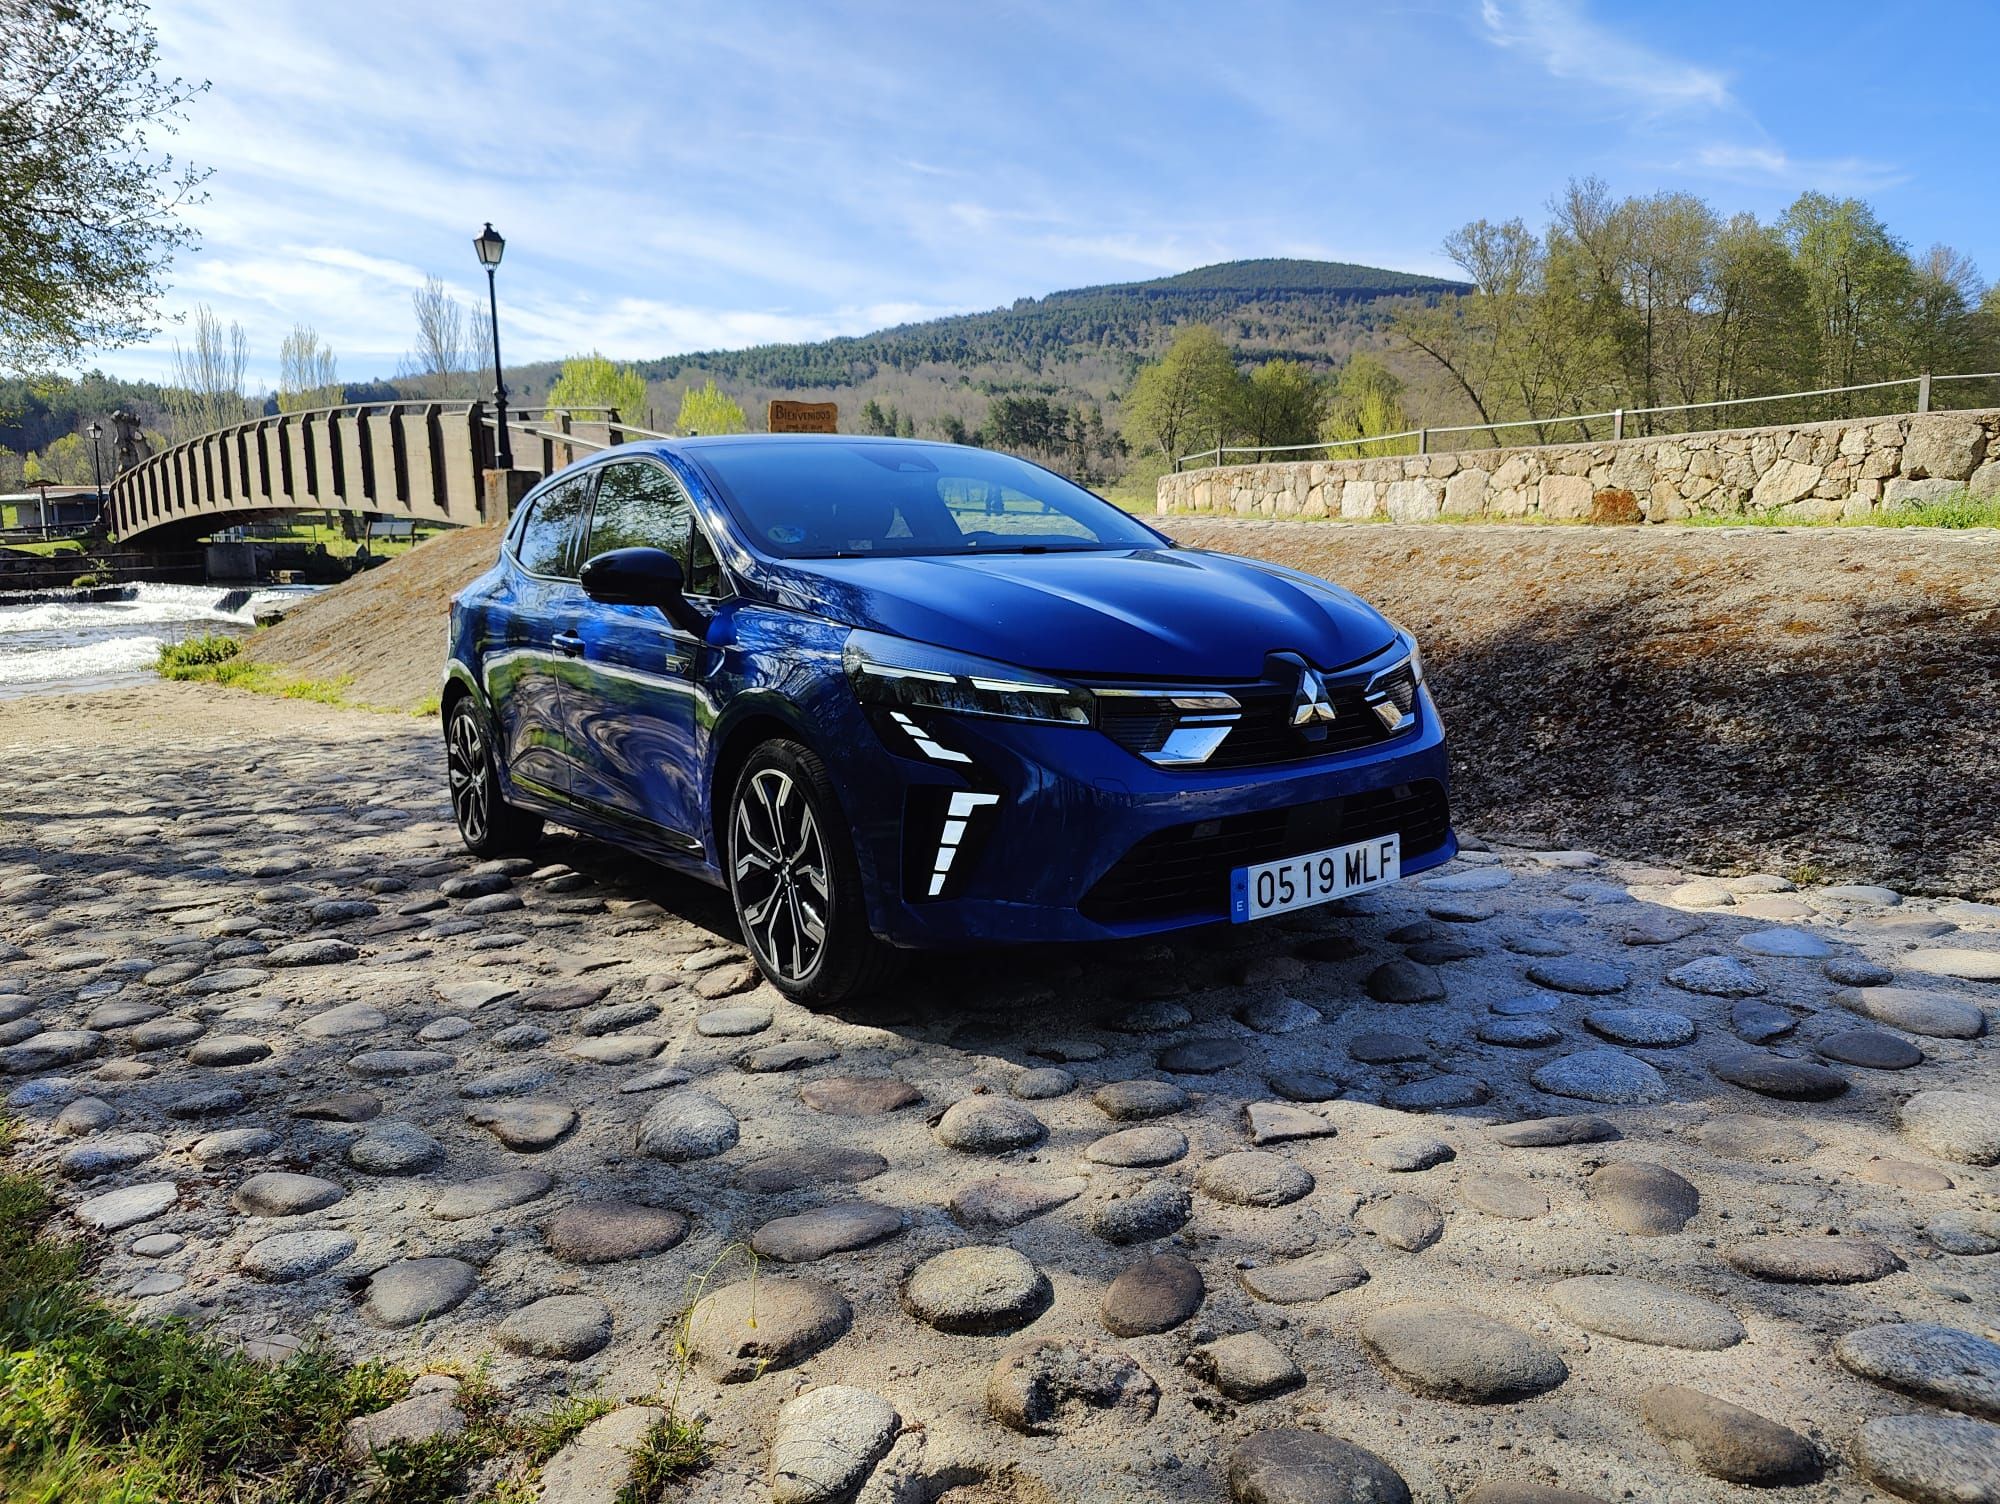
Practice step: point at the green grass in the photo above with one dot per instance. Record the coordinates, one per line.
(216, 658)
(675, 1447)
(49, 548)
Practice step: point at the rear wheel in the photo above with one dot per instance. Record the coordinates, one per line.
(796, 883)
(487, 823)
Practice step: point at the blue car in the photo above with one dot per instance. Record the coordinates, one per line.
(899, 695)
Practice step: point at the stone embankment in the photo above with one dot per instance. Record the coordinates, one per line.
(1542, 1172)
(1813, 471)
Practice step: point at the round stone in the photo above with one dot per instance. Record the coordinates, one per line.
(1403, 981)
(1376, 1047)
(616, 1049)
(1047, 1385)
(1437, 1094)
(529, 1124)
(756, 1325)
(1790, 943)
(127, 1207)
(1739, 1136)
(1904, 1174)
(1314, 1277)
(508, 1081)
(976, 1290)
(279, 1193)
(288, 1256)
(731, 1023)
(563, 1327)
(858, 1096)
(1936, 1015)
(395, 1149)
(1962, 1126)
(1871, 1049)
(1527, 1005)
(687, 1124)
(1969, 1234)
(1640, 1311)
(787, 1055)
(1778, 1076)
(1702, 893)
(1291, 1466)
(228, 1049)
(1940, 1364)
(1201, 1057)
(1251, 1177)
(1284, 1015)
(1716, 976)
(1574, 974)
(1932, 1459)
(1277, 1123)
(1043, 1082)
(1152, 1210)
(439, 1030)
(827, 1441)
(1003, 1201)
(490, 1193)
(1648, 1028)
(1519, 1033)
(348, 1019)
(1305, 1086)
(1152, 1144)
(1947, 961)
(1154, 1295)
(1856, 971)
(1727, 1441)
(312, 953)
(606, 1232)
(1451, 1353)
(799, 1169)
(106, 1154)
(158, 1245)
(340, 1107)
(1812, 1260)
(1759, 1023)
(1406, 1153)
(167, 1033)
(1409, 1223)
(988, 1125)
(826, 1230)
(413, 1290)
(233, 1143)
(1552, 1133)
(394, 1064)
(1503, 1195)
(1247, 1366)
(1647, 1201)
(1134, 1101)
(1605, 1075)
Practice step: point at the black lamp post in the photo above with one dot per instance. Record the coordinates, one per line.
(490, 245)
(96, 462)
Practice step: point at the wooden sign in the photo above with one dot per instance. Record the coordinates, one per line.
(803, 417)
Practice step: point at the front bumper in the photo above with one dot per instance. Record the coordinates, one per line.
(1067, 836)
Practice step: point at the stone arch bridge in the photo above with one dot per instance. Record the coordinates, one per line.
(424, 461)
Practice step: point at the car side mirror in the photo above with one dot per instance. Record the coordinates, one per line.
(643, 577)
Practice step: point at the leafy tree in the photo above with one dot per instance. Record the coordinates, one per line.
(89, 211)
(1186, 397)
(1858, 278)
(1366, 403)
(1282, 402)
(874, 420)
(593, 381)
(953, 429)
(709, 409)
(207, 390)
(308, 375)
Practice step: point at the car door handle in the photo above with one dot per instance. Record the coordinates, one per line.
(568, 644)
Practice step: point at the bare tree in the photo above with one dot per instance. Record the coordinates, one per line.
(207, 389)
(308, 375)
(445, 355)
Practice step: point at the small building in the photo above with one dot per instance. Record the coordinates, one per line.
(50, 507)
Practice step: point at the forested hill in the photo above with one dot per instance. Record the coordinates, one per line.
(1084, 341)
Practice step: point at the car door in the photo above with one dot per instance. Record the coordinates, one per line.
(634, 692)
(523, 666)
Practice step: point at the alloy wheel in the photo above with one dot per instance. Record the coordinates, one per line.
(784, 888)
(466, 774)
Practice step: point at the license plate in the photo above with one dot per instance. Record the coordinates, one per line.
(1299, 882)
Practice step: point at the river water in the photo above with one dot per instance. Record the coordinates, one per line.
(67, 645)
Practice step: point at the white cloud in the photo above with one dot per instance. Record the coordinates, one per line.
(1570, 45)
(1773, 165)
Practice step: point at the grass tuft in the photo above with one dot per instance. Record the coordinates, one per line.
(216, 658)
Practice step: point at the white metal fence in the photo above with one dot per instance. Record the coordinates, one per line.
(1423, 440)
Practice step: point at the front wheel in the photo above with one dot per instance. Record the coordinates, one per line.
(487, 823)
(796, 883)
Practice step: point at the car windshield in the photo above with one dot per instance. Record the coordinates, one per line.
(816, 500)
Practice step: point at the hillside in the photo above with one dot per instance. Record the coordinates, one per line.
(1723, 699)
(1081, 344)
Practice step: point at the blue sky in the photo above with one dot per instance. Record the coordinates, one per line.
(674, 177)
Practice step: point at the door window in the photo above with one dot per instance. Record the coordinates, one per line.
(549, 537)
(640, 505)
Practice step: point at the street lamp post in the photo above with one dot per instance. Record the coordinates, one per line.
(97, 464)
(490, 246)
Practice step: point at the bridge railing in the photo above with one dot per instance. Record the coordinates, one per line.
(411, 458)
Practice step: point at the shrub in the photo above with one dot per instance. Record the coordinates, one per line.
(177, 658)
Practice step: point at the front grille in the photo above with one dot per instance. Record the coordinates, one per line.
(1184, 870)
(1264, 734)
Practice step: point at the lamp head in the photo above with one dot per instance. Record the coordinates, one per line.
(490, 246)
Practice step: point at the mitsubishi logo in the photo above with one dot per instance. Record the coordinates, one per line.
(1312, 711)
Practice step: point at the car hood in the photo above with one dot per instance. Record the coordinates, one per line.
(1140, 613)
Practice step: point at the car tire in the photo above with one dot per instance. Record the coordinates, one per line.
(796, 883)
(487, 823)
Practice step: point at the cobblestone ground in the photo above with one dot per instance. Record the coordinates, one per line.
(1543, 1170)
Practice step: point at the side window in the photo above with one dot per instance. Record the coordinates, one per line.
(548, 538)
(642, 506)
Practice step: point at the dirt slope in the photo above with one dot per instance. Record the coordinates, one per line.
(1720, 699)
(385, 627)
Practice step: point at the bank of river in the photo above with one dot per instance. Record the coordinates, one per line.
(62, 643)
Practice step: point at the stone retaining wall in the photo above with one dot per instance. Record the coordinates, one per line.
(1844, 468)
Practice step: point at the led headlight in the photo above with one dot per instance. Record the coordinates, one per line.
(1416, 654)
(900, 674)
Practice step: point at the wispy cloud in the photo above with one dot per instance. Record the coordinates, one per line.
(1774, 165)
(1570, 45)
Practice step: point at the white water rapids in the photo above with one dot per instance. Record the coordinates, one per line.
(65, 644)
